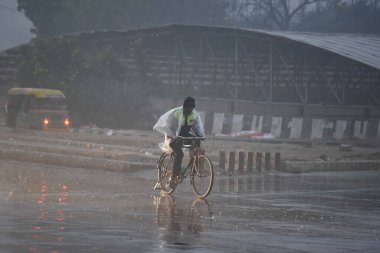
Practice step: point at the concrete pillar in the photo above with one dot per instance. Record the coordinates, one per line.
(217, 125)
(231, 162)
(276, 126)
(360, 129)
(241, 162)
(259, 161)
(317, 128)
(340, 128)
(222, 160)
(237, 123)
(295, 128)
(277, 161)
(257, 123)
(250, 162)
(267, 159)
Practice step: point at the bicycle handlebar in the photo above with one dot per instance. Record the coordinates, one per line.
(202, 138)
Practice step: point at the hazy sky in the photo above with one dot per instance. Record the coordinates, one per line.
(14, 26)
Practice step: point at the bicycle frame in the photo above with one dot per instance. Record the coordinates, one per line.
(194, 156)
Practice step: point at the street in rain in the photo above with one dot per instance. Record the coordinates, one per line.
(197, 126)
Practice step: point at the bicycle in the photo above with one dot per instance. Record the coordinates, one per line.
(199, 168)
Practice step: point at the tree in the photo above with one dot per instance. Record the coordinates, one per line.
(359, 16)
(92, 78)
(66, 16)
(272, 14)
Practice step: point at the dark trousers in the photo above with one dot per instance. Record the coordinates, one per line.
(176, 145)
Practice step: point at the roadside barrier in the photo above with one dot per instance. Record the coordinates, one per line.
(258, 162)
(255, 162)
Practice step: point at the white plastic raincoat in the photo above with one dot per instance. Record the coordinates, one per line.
(170, 123)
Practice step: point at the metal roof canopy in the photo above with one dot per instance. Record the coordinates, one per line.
(364, 48)
(358, 47)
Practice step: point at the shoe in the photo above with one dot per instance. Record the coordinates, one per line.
(179, 179)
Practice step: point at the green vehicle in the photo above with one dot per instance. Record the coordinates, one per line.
(36, 109)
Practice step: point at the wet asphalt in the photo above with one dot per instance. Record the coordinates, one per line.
(58, 209)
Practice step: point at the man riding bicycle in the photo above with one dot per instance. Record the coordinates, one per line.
(179, 122)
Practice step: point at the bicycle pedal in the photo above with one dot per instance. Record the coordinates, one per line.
(158, 186)
(179, 180)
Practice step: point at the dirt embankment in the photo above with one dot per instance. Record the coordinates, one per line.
(142, 146)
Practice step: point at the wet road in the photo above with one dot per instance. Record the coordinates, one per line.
(57, 209)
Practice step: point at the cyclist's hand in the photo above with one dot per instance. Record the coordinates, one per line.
(177, 139)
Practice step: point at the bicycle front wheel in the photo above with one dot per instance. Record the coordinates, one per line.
(202, 176)
(165, 170)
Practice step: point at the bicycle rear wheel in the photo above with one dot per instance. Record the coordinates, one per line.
(165, 170)
(202, 176)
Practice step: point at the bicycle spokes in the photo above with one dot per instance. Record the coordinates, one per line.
(202, 176)
(165, 170)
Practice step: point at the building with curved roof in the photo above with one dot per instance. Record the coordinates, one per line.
(245, 64)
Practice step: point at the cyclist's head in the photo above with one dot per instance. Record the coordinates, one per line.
(188, 105)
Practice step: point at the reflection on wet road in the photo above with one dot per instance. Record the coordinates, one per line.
(56, 209)
(181, 228)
